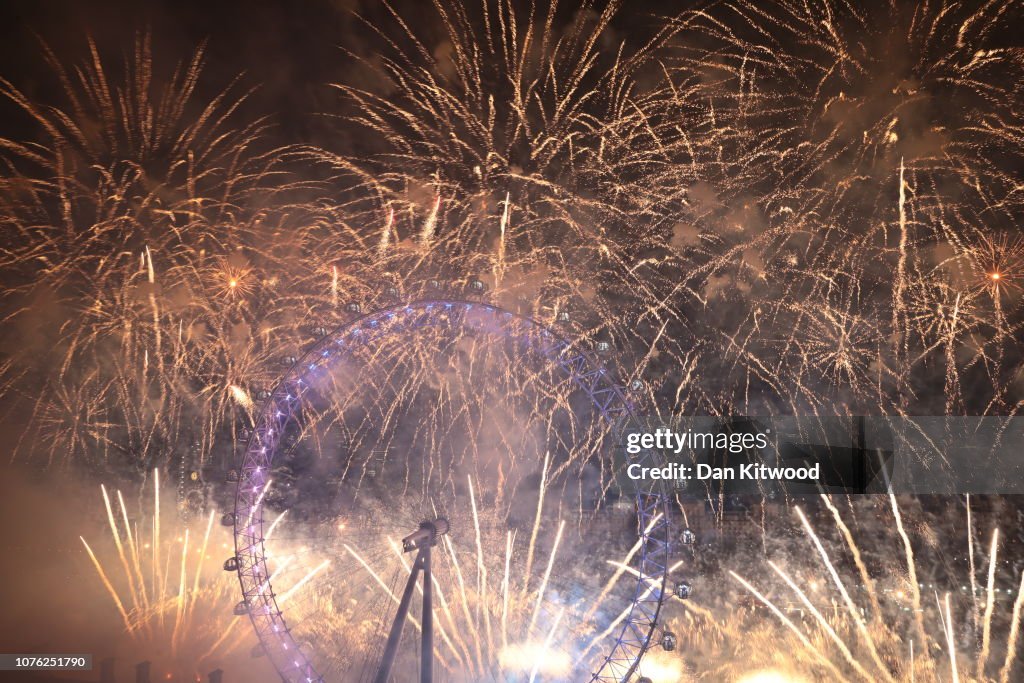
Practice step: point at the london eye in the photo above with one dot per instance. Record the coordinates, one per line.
(488, 444)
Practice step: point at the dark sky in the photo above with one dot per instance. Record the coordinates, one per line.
(287, 52)
(289, 49)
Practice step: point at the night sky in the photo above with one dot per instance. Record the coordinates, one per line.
(289, 50)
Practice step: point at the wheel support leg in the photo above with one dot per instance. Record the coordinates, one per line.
(422, 562)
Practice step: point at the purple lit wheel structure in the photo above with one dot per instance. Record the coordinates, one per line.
(580, 366)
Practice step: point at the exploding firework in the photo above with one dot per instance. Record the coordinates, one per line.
(130, 231)
(522, 156)
(876, 203)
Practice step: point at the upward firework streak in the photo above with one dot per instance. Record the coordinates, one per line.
(174, 608)
(851, 648)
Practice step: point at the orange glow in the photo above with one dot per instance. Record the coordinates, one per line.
(995, 276)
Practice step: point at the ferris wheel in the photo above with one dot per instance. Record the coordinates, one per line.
(617, 635)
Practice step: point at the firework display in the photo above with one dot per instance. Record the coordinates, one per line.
(356, 332)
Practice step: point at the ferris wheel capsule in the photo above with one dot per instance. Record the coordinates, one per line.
(689, 538)
(353, 307)
(241, 609)
(668, 641)
(227, 519)
(563, 317)
(231, 564)
(636, 385)
(683, 590)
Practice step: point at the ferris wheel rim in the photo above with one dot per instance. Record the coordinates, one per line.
(269, 623)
